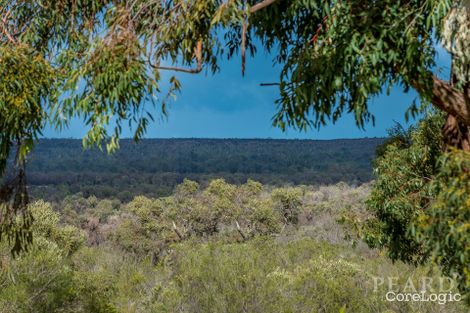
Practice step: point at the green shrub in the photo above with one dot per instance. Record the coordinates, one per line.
(267, 276)
(40, 278)
(288, 201)
(186, 188)
(263, 219)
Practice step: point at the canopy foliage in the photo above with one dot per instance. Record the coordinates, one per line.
(101, 59)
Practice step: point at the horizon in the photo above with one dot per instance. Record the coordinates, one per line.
(228, 138)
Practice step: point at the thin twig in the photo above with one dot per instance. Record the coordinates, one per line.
(269, 84)
(196, 70)
(243, 47)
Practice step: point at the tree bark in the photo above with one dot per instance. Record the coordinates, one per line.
(261, 5)
(456, 104)
(456, 134)
(456, 130)
(450, 100)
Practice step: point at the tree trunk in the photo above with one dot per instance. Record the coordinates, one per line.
(456, 103)
(450, 100)
(456, 134)
(456, 131)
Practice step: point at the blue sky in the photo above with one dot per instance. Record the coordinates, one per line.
(227, 105)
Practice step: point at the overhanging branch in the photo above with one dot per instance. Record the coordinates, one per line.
(198, 69)
(450, 100)
(261, 5)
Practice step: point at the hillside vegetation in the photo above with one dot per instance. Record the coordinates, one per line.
(60, 167)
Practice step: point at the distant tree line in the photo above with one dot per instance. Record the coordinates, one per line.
(59, 167)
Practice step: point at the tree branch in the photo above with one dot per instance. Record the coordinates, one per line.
(450, 100)
(179, 69)
(320, 28)
(4, 28)
(239, 229)
(261, 5)
(198, 69)
(180, 236)
(269, 84)
(243, 47)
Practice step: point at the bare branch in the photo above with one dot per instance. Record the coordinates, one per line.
(179, 69)
(261, 5)
(198, 69)
(243, 47)
(269, 84)
(177, 231)
(239, 229)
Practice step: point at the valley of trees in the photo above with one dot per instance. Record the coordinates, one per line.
(153, 167)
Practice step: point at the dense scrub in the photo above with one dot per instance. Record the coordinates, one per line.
(291, 252)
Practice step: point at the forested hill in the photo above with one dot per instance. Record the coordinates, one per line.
(153, 167)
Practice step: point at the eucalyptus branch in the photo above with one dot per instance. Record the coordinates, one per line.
(198, 69)
(261, 5)
(243, 44)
